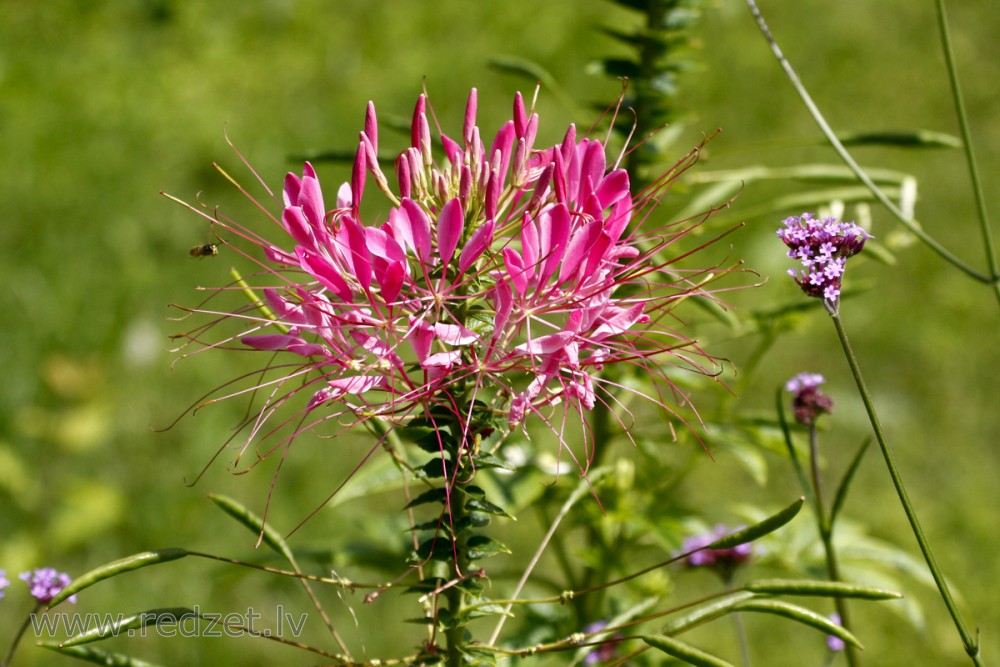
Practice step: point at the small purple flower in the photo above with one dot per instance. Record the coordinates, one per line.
(823, 247)
(4, 582)
(45, 583)
(725, 560)
(606, 651)
(809, 402)
(833, 642)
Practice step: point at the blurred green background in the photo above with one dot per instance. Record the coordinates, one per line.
(104, 104)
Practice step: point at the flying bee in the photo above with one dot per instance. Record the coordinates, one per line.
(206, 250)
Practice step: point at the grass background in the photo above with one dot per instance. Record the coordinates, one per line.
(104, 104)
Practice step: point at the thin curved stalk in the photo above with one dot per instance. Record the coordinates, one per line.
(970, 154)
(971, 645)
(817, 115)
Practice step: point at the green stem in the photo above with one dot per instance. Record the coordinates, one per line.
(741, 634)
(970, 155)
(826, 535)
(971, 645)
(455, 635)
(17, 637)
(817, 115)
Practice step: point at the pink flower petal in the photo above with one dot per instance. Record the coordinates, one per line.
(553, 228)
(354, 384)
(579, 249)
(442, 360)
(325, 272)
(516, 270)
(420, 336)
(371, 126)
(451, 222)
(619, 320)
(453, 334)
(271, 342)
(529, 244)
(613, 187)
(481, 239)
(419, 227)
(295, 223)
(470, 117)
(358, 173)
(545, 344)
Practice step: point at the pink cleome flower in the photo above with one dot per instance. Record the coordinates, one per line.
(502, 278)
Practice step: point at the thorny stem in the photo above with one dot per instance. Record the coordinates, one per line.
(971, 645)
(455, 634)
(826, 535)
(817, 115)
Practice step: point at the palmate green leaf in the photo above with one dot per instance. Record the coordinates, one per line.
(618, 67)
(427, 497)
(481, 546)
(114, 568)
(812, 587)
(799, 614)
(684, 652)
(483, 505)
(97, 656)
(124, 624)
(472, 655)
(485, 461)
(435, 548)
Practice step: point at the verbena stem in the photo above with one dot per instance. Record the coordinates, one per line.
(814, 111)
(971, 645)
(970, 154)
(825, 524)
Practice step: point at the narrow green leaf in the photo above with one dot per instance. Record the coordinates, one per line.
(528, 69)
(758, 530)
(799, 614)
(253, 522)
(706, 612)
(792, 454)
(96, 656)
(841, 496)
(901, 139)
(824, 588)
(114, 568)
(124, 624)
(685, 652)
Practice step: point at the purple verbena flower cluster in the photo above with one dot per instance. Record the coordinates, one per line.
(722, 559)
(823, 247)
(4, 582)
(808, 401)
(45, 583)
(833, 642)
